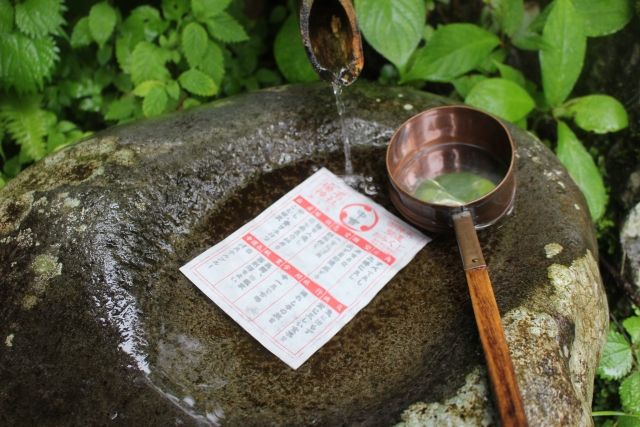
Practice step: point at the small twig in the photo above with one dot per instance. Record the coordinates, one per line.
(622, 283)
(624, 258)
(179, 106)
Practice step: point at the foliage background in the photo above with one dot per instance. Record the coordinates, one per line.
(70, 67)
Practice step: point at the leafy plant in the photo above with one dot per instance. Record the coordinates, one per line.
(114, 68)
(471, 57)
(620, 362)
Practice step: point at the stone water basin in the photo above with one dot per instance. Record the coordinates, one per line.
(100, 328)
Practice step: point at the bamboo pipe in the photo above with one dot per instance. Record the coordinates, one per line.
(332, 39)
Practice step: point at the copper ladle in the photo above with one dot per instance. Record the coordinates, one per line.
(456, 139)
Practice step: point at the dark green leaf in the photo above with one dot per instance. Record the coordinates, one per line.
(632, 325)
(194, 43)
(603, 17)
(208, 8)
(103, 77)
(147, 63)
(597, 113)
(198, 83)
(626, 421)
(54, 140)
(12, 166)
(509, 14)
(81, 36)
(123, 82)
(290, 54)
(6, 16)
(104, 54)
(175, 9)
(583, 170)
(562, 61)
(154, 101)
(528, 41)
(392, 27)
(225, 28)
(267, 77)
(24, 62)
(120, 109)
(511, 74)
(39, 17)
(213, 63)
(464, 84)
(630, 392)
(501, 97)
(102, 21)
(452, 51)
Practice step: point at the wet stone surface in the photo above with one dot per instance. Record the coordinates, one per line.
(100, 328)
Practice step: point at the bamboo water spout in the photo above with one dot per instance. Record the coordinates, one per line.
(332, 39)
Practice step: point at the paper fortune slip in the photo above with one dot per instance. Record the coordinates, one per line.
(296, 274)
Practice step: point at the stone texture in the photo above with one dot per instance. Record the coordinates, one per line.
(99, 326)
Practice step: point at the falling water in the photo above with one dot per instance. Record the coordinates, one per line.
(348, 166)
(354, 180)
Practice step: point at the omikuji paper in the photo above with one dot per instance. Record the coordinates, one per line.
(296, 274)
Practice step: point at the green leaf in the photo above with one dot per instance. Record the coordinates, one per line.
(501, 97)
(562, 61)
(488, 64)
(208, 8)
(539, 21)
(393, 27)
(511, 74)
(120, 109)
(102, 21)
(198, 83)
(225, 28)
(290, 55)
(617, 358)
(146, 21)
(213, 63)
(143, 88)
(628, 421)
(194, 43)
(173, 89)
(6, 16)
(597, 113)
(190, 103)
(123, 82)
(509, 14)
(268, 77)
(604, 17)
(528, 41)
(12, 166)
(27, 123)
(104, 54)
(630, 392)
(147, 63)
(453, 50)
(24, 62)
(81, 35)
(37, 18)
(632, 325)
(175, 9)
(154, 101)
(583, 170)
(464, 84)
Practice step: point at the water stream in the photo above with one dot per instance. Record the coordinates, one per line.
(356, 181)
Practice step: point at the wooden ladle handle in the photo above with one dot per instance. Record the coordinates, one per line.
(496, 352)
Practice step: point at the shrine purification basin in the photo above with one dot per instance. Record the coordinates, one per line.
(99, 326)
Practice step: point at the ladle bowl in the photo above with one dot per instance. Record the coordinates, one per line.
(449, 140)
